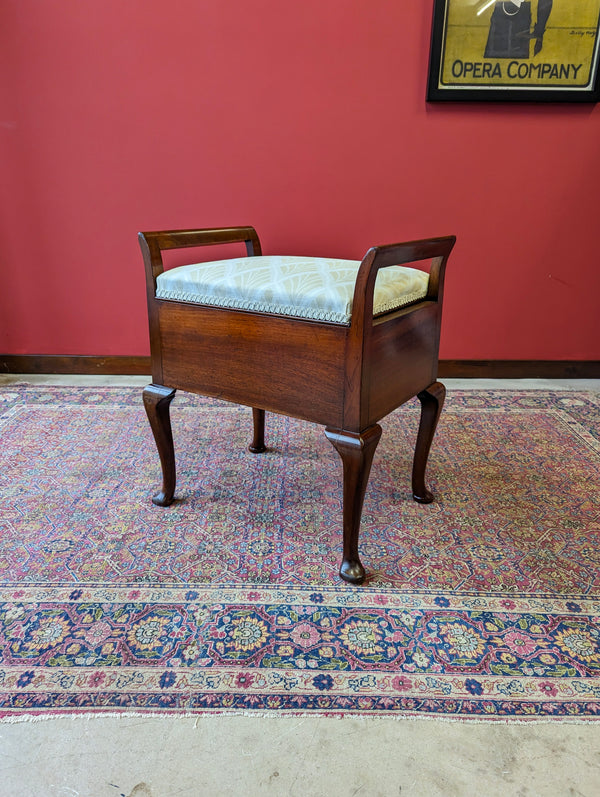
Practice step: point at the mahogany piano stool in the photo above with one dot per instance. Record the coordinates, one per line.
(310, 338)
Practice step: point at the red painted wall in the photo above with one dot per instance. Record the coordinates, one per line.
(305, 119)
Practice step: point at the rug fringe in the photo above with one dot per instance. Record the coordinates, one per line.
(365, 717)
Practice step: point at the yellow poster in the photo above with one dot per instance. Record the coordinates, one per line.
(532, 46)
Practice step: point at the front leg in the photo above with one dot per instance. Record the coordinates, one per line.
(356, 451)
(157, 400)
(432, 401)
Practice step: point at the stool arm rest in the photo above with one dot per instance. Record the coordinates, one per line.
(153, 243)
(435, 249)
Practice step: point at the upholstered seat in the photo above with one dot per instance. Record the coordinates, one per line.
(304, 287)
(340, 343)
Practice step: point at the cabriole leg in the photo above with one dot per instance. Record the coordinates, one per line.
(432, 401)
(356, 451)
(157, 400)
(258, 441)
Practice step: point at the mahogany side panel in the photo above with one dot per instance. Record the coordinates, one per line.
(401, 360)
(368, 396)
(283, 365)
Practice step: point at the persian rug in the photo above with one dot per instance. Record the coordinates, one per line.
(484, 604)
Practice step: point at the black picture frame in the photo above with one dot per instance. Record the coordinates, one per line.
(514, 51)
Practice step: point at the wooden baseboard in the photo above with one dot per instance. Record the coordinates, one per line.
(519, 369)
(54, 364)
(457, 369)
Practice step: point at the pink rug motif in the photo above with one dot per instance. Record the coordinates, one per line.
(484, 604)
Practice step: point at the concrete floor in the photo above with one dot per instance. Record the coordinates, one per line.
(310, 756)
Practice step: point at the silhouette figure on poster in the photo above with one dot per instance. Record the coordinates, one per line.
(510, 28)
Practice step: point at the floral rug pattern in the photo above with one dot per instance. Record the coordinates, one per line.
(483, 604)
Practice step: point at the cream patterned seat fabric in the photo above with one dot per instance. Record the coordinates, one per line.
(304, 287)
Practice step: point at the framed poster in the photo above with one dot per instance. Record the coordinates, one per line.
(515, 50)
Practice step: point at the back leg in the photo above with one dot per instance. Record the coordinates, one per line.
(157, 400)
(258, 441)
(432, 401)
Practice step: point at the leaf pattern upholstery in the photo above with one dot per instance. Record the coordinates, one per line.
(305, 287)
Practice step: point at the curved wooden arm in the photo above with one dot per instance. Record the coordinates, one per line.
(153, 243)
(435, 249)
(359, 349)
